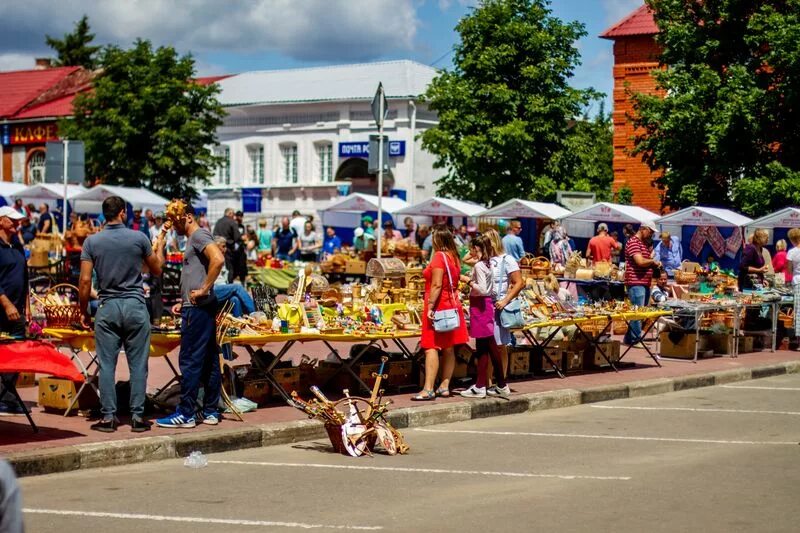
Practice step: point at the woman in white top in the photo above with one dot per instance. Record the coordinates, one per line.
(309, 244)
(507, 285)
(482, 317)
(793, 264)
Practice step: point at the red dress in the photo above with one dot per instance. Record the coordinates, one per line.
(430, 338)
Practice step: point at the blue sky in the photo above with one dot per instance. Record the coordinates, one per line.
(230, 36)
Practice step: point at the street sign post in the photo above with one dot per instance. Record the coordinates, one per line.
(65, 161)
(380, 108)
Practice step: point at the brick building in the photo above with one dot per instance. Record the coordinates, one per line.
(635, 57)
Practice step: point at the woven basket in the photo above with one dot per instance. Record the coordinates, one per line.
(540, 268)
(61, 315)
(685, 278)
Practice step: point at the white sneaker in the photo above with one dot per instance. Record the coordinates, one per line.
(474, 392)
(494, 390)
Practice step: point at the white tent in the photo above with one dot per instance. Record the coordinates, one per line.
(704, 216)
(517, 208)
(581, 223)
(9, 189)
(444, 207)
(91, 200)
(48, 191)
(788, 217)
(346, 211)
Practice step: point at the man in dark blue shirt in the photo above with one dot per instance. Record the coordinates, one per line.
(332, 242)
(285, 242)
(14, 305)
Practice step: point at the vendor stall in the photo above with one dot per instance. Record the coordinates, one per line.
(581, 224)
(707, 231)
(531, 214)
(443, 208)
(8, 191)
(778, 223)
(90, 201)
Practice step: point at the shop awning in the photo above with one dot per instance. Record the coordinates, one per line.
(443, 207)
(91, 200)
(788, 217)
(49, 191)
(9, 189)
(359, 202)
(705, 216)
(517, 208)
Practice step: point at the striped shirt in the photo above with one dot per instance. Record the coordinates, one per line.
(634, 274)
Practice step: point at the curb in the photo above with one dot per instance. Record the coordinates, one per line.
(122, 452)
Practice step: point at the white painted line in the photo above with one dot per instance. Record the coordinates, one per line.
(758, 388)
(609, 437)
(195, 519)
(425, 470)
(696, 410)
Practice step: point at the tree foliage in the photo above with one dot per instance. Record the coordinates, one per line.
(506, 110)
(147, 123)
(75, 49)
(725, 131)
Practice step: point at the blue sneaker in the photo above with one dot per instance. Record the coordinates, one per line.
(176, 420)
(212, 419)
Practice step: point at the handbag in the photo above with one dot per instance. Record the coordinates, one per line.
(511, 314)
(447, 319)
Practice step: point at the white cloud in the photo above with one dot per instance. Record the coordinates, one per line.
(16, 61)
(308, 30)
(616, 10)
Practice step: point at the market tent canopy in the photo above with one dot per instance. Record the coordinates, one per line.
(8, 190)
(91, 200)
(581, 223)
(360, 202)
(517, 208)
(49, 191)
(788, 217)
(705, 216)
(443, 207)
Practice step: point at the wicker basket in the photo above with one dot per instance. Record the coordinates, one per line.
(685, 278)
(61, 315)
(540, 268)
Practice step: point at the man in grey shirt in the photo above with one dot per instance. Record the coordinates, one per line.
(117, 254)
(199, 354)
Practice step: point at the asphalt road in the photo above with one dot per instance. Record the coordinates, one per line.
(714, 459)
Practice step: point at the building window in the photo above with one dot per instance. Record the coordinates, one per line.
(36, 168)
(222, 175)
(255, 157)
(289, 153)
(325, 158)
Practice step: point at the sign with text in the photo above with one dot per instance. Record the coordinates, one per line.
(14, 134)
(361, 149)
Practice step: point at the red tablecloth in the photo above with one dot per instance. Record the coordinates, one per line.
(39, 357)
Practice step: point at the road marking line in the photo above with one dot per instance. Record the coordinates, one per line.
(697, 409)
(609, 437)
(425, 470)
(758, 388)
(195, 519)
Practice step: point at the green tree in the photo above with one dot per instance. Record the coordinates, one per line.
(506, 107)
(147, 123)
(725, 130)
(75, 49)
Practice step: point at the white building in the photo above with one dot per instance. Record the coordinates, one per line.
(297, 138)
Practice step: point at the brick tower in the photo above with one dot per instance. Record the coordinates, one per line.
(635, 57)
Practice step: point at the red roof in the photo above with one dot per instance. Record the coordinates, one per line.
(208, 80)
(60, 107)
(640, 22)
(20, 88)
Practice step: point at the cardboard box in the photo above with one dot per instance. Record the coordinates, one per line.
(288, 378)
(400, 373)
(26, 380)
(257, 390)
(746, 344)
(611, 350)
(721, 343)
(57, 394)
(572, 361)
(684, 348)
(519, 362)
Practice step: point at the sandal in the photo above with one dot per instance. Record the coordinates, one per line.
(424, 396)
(443, 393)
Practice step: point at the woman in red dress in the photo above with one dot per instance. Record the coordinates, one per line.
(441, 293)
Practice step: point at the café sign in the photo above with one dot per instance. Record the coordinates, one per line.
(14, 134)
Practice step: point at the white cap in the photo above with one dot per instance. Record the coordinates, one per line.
(10, 212)
(358, 232)
(649, 224)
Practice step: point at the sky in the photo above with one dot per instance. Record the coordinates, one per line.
(231, 36)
